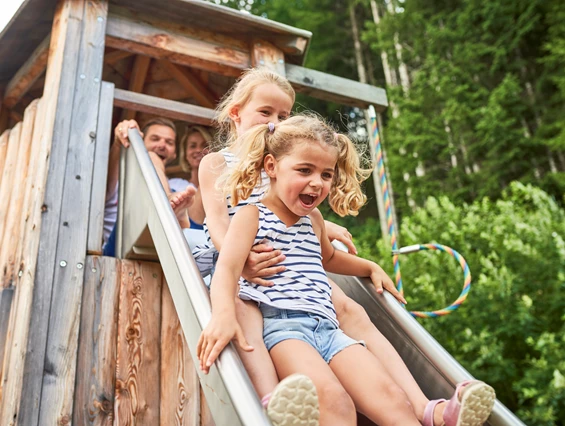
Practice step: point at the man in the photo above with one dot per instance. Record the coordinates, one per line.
(159, 135)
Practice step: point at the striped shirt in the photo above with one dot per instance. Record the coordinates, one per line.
(303, 285)
(205, 255)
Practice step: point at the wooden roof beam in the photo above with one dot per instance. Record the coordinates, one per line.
(27, 75)
(192, 84)
(184, 48)
(116, 56)
(335, 89)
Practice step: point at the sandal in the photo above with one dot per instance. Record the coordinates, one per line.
(473, 409)
(294, 402)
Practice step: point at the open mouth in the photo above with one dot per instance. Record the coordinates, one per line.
(308, 200)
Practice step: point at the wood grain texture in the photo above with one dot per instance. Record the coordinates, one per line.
(264, 54)
(180, 387)
(96, 366)
(7, 182)
(26, 76)
(180, 47)
(9, 247)
(138, 352)
(22, 304)
(3, 150)
(189, 81)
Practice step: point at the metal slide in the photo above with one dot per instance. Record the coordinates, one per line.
(148, 230)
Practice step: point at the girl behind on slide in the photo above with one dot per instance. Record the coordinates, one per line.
(306, 161)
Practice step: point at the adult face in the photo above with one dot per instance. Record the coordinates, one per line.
(268, 103)
(161, 140)
(196, 148)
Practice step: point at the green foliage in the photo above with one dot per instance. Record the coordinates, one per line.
(511, 330)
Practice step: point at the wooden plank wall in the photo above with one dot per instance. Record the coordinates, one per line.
(134, 366)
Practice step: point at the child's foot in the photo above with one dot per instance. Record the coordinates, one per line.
(293, 402)
(470, 405)
(180, 202)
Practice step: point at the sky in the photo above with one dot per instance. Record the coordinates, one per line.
(7, 10)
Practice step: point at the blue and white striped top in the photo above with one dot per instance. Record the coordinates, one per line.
(206, 254)
(303, 285)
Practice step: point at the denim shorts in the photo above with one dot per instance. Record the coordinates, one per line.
(316, 330)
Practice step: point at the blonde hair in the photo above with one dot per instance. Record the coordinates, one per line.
(345, 197)
(240, 94)
(182, 146)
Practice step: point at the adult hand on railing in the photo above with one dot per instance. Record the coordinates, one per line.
(121, 131)
(214, 338)
(261, 263)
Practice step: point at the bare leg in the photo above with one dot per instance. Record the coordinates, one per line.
(258, 363)
(355, 322)
(373, 391)
(180, 202)
(295, 356)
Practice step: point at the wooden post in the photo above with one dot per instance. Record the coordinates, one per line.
(137, 80)
(8, 175)
(264, 54)
(3, 151)
(71, 99)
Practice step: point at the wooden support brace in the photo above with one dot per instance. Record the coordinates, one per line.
(27, 75)
(116, 56)
(192, 84)
(137, 80)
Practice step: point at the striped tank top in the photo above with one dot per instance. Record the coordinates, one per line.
(303, 285)
(206, 254)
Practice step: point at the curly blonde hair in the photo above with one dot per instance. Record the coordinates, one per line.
(240, 94)
(345, 197)
(204, 132)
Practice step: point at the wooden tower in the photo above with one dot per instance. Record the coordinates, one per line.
(86, 339)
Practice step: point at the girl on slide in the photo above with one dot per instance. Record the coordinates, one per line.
(306, 161)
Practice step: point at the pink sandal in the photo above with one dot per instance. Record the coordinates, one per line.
(474, 408)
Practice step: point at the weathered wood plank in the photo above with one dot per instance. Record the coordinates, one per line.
(264, 54)
(169, 89)
(335, 89)
(6, 298)
(72, 231)
(192, 84)
(3, 151)
(29, 237)
(27, 75)
(137, 80)
(98, 199)
(163, 107)
(138, 360)
(183, 48)
(94, 395)
(10, 242)
(45, 364)
(180, 387)
(7, 182)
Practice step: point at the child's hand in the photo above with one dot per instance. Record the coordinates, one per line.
(337, 232)
(215, 337)
(382, 281)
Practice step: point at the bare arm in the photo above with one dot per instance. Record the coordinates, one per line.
(223, 326)
(196, 210)
(262, 259)
(339, 262)
(120, 139)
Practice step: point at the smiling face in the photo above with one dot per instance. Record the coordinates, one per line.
(300, 179)
(161, 140)
(268, 103)
(196, 148)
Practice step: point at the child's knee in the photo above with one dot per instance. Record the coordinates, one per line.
(336, 402)
(349, 310)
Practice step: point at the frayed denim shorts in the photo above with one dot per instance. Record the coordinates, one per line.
(319, 332)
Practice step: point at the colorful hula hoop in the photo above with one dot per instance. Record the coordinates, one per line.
(412, 249)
